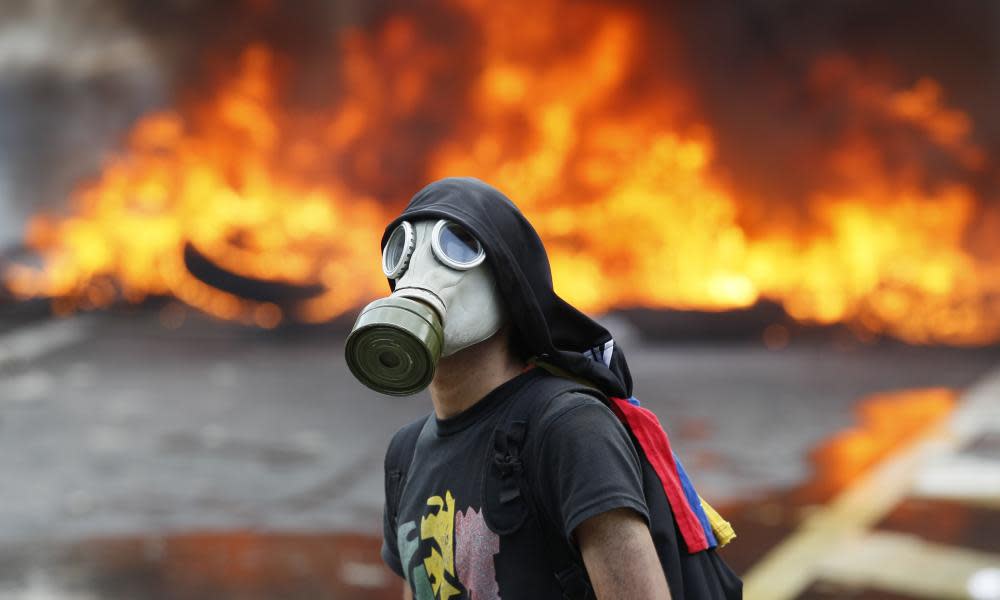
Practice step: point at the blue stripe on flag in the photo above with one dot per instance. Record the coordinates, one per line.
(695, 502)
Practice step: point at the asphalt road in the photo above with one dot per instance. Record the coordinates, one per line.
(113, 427)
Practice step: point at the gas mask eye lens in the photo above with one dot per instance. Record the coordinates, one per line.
(397, 251)
(456, 247)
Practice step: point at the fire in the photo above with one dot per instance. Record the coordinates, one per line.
(225, 187)
(602, 147)
(886, 422)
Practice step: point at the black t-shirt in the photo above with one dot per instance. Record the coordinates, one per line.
(582, 464)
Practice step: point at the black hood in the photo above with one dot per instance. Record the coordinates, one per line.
(549, 328)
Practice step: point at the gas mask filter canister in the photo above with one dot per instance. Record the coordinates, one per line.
(445, 300)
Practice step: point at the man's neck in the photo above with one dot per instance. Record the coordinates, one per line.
(466, 377)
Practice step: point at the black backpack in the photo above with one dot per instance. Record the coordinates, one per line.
(508, 501)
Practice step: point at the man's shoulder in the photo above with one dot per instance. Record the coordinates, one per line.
(580, 402)
(403, 441)
(408, 429)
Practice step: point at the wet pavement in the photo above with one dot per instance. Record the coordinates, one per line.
(918, 523)
(243, 564)
(211, 461)
(946, 522)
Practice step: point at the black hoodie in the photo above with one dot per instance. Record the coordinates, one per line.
(548, 327)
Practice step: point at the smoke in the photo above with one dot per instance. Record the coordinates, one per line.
(757, 70)
(72, 77)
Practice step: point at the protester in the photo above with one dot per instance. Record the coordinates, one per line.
(536, 475)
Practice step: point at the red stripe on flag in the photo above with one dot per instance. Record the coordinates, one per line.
(650, 434)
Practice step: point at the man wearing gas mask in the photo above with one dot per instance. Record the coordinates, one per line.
(522, 483)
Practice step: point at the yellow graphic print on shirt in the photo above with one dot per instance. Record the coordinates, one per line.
(456, 551)
(440, 528)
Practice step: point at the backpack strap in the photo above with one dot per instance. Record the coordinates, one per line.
(398, 458)
(506, 493)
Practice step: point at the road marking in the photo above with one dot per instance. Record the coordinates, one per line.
(789, 568)
(831, 530)
(31, 342)
(965, 476)
(906, 564)
(980, 410)
(961, 478)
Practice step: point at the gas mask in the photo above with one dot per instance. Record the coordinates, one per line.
(445, 300)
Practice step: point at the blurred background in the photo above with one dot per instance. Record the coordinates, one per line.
(787, 212)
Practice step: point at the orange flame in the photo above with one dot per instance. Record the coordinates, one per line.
(886, 423)
(223, 190)
(606, 160)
